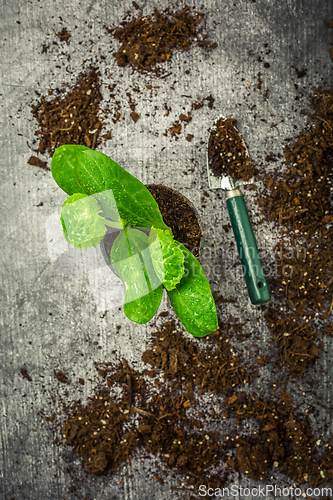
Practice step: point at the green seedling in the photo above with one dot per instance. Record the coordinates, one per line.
(145, 254)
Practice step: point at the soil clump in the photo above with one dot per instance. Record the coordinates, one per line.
(179, 214)
(147, 42)
(227, 154)
(72, 117)
(37, 162)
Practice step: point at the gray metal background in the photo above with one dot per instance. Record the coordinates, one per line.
(31, 466)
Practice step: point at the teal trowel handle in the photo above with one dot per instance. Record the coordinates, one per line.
(247, 248)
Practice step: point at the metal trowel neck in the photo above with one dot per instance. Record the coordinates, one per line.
(227, 183)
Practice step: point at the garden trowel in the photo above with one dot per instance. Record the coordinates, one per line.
(246, 243)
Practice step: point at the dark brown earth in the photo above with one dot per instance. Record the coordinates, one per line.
(227, 153)
(178, 214)
(71, 117)
(299, 200)
(147, 42)
(103, 432)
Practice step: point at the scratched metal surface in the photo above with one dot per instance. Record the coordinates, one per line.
(50, 320)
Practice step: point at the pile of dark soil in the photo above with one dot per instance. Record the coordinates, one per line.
(72, 117)
(227, 153)
(284, 441)
(125, 415)
(178, 214)
(63, 35)
(146, 42)
(61, 376)
(300, 201)
(300, 198)
(304, 274)
(103, 432)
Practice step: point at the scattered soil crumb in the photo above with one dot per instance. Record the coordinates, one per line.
(63, 35)
(37, 162)
(135, 116)
(61, 376)
(184, 119)
(25, 374)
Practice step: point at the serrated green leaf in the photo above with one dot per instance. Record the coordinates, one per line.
(167, 257)
(130, 257)
(192, 299)
(82, 225)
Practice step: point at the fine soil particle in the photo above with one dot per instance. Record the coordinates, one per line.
(178, 214)
(135, 116)
(25, 374)
(184, 119)
(304, 278)
(72, 117)
(146, 42)
(227, 153)
(63, 35)
(61, 376)
(37, 162)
